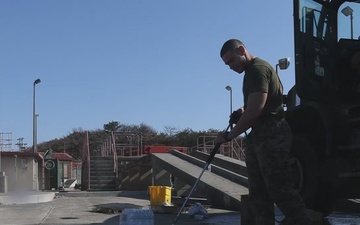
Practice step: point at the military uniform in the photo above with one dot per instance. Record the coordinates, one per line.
(267, 152)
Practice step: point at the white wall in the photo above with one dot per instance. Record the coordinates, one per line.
(21, 172)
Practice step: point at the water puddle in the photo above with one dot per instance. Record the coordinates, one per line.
(343, 219)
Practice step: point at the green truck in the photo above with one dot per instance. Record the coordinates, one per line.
(323, 107)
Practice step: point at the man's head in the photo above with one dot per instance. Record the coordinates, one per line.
(233, 53)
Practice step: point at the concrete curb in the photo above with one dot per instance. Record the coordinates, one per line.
(132, 194)
(26, 197)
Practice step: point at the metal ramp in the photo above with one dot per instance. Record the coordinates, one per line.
(221, 192)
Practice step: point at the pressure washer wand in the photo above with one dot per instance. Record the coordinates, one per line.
(208, 161)
(217, 146)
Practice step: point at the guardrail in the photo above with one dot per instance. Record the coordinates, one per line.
(233, 149)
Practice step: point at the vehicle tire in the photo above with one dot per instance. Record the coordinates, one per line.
(304, 169)
(325, 200)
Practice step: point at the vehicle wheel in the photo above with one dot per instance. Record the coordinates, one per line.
(304, 168)
(305, 171)
(325, 200)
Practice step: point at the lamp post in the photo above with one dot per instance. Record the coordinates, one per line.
(348, 11)
(230, 89)
(37, 81)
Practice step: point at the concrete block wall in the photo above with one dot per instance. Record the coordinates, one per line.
(137, 178)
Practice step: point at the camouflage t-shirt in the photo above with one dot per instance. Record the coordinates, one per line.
(260, 76)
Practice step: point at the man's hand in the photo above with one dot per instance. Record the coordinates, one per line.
(235, 116)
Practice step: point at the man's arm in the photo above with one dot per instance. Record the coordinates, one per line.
(255, 105)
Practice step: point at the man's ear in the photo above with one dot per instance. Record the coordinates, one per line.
(240, 50)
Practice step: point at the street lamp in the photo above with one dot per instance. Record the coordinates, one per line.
(347, 11)
(37, 81)
(230, 89)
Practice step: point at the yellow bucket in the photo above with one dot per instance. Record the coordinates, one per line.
(160, 195)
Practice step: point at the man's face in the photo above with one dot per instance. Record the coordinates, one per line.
(235, 60)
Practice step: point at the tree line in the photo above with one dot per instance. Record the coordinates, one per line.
(73, 143)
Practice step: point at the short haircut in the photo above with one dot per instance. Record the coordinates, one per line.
(230, 45)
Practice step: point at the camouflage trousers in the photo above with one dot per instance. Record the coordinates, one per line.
(269, 177)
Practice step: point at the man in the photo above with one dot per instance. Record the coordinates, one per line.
(269, 143)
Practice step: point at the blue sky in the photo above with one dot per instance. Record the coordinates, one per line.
(133, 61)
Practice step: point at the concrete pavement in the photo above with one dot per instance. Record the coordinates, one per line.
(100, 208)
(95, 208)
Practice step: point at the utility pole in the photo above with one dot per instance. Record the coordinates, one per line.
(21, 144)
(37, 81)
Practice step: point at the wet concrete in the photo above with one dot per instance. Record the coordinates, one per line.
(103, 208)
(346, 212)
(98, 210)
(215, 217)
(343, 219)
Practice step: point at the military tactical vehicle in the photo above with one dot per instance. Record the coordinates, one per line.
(323, 107)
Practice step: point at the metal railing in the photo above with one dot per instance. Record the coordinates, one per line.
(128, 143)
(115, 157)
(86, 161)
(108, 149)
(122, 144)
(234, 149)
